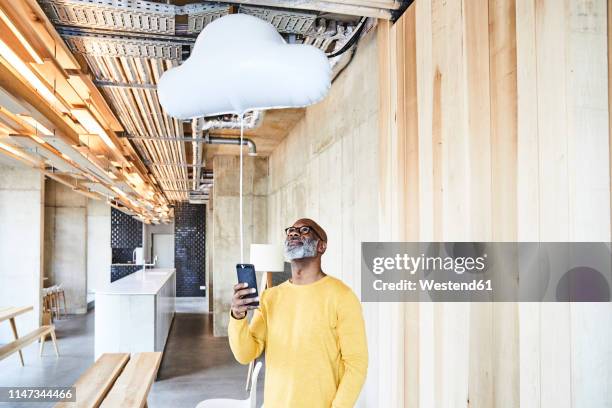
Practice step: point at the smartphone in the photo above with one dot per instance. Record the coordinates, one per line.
(246, 273)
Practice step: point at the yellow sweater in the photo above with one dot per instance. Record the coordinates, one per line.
(314, 337)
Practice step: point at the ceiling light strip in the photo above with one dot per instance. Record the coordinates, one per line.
(77, 157)
(28, 47)
(18, 153)
(32, 79)
(87, 120)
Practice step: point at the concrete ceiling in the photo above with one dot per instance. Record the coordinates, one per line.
(276, 125)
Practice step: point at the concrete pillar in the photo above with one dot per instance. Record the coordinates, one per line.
(209, 254)
(21, 244)
(66, 243)
(99, 254)
(226, 238)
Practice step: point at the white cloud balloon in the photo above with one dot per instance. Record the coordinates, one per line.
(241, 63)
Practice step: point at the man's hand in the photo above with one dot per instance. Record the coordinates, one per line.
(240, 305)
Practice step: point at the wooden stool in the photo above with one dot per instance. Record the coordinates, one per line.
(59, 292)
(53, 293)
(47, 306)
(55, 298)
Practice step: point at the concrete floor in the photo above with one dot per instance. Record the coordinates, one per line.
(195, 366)
(191, 305)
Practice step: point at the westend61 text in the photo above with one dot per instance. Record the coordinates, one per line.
(430, 284)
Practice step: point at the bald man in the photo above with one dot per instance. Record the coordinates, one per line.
(311, 328)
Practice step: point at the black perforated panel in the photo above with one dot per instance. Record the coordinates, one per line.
(190, 249)
(126, 234)
(120, 271)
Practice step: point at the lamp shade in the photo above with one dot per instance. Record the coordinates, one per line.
(268, 257)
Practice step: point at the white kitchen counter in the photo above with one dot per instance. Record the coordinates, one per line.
(134, 314)
(142, 282)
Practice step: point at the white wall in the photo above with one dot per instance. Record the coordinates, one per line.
(327, 169)
(99, 254)
(148, 231)
(21, 229)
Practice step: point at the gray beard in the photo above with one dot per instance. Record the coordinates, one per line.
(308, 249)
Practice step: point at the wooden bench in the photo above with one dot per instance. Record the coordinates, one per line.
(20, 342)
(116, 380)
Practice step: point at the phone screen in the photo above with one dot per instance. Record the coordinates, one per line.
(246, 273)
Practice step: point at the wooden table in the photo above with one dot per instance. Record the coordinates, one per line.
(9, 314)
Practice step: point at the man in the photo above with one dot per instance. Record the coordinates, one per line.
(311, 327)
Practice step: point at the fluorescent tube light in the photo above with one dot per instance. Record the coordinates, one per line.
(92, 126)
(26, 142)
(17, 152)
(134, 178)
(100, 189)
(38, 139)
(11, 104)
(119, 191)
(7, 53)
(61, 165)
(77, 157)
(20, 37)
(44, 154)
(38, 127)
(11, 149)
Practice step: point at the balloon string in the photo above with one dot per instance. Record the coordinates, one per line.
(241, 223)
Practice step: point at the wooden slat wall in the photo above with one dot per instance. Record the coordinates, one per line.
(390, 350)
(495, 126)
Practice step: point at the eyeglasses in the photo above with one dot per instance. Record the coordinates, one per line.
(301, 230)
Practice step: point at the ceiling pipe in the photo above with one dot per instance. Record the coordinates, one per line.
(205, 180)
(198, 150)
(233, 141)
(201, 126)
(252, 120)
(205, 187)
(158, 164)
(199, 193)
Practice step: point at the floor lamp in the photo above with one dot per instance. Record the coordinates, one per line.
(267, 258)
